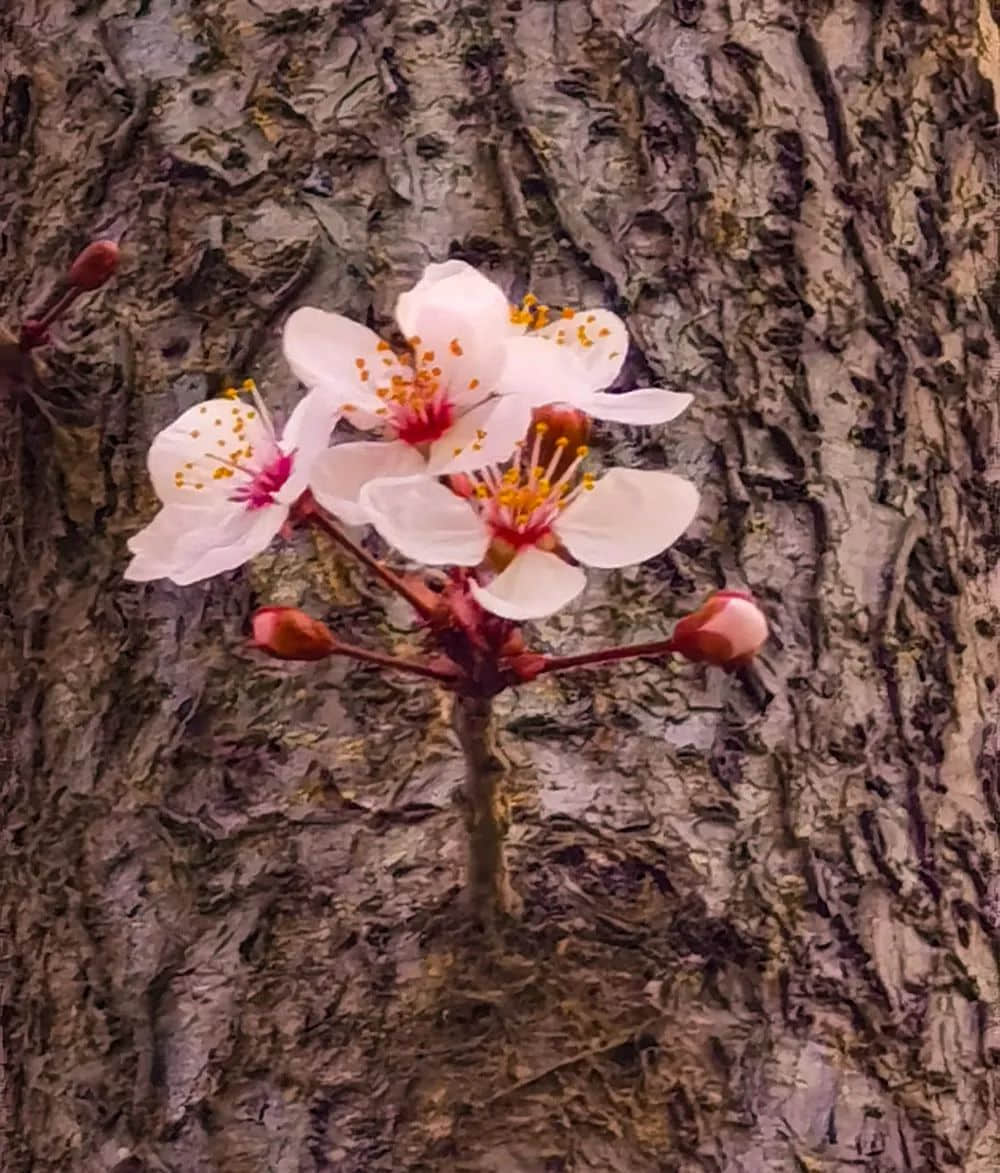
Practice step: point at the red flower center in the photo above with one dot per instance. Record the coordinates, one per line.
(265, 483)
(422, 423)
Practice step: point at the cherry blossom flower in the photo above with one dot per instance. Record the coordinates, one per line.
(226, 483)
(523, 523)
(460, 396)
(436, 406)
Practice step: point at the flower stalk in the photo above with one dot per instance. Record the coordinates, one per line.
(487, 811)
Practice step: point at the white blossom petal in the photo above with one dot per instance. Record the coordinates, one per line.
(539, 371)
(338, 475)
(187, 544)
(486, 434)
(425, 521)
(196, 443)
(534, 585)
(453, 285)
(307, 435)
(468, 351)
(630, 515)
(598, 339)
(646, 405)
(344, 359)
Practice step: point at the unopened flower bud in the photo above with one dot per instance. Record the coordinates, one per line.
(727, 630)
(95, 265)
(290, 634)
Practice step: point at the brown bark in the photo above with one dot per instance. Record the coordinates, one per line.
(487, 811)
(760, 933)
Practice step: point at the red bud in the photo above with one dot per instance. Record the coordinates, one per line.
(95, 265)
(290, 634)
(727, 630)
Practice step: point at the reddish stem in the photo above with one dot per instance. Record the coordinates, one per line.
(35, 330)
(379, 569)
(386, 661)
(659, 647)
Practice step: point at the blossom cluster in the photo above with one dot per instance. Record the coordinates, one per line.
(475, 456)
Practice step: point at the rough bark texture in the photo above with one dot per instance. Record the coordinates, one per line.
(487, 811)
(760, 934)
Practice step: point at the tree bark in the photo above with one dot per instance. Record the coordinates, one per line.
(760, 929)
(487, 811)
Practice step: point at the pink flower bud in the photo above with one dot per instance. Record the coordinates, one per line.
(95, 265)
(727, 630)
(290, 634)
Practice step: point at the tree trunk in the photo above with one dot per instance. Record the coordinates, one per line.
(760, 928)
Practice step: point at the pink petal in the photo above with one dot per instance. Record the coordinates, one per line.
(534, 585)
(646, 405)
(487, 434)
(425, 521)
(339, 474)
(630, 515)
(598, 339)
(344, 359)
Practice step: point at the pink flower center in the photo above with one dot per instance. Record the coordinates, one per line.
(418, 422)
(265, 482)
(417, 405)
(521, 504)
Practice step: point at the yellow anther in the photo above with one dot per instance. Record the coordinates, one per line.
(457, 451)
(427, 356)
(360, 363)
(455, 347)
(251, 415)
(529, 299)
(562, 442)
(591, 318)
(436, 372)
(482, 492)
(603, 332)
(567, 313)
(582, 451)
(188, 465)
(349, 407)
(541, 427)
(249, 385)
(195, 434)
(382, 345)
(203, 410)
(473, 384)
(230, 393)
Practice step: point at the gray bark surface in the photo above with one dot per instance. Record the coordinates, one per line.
(760, 928)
